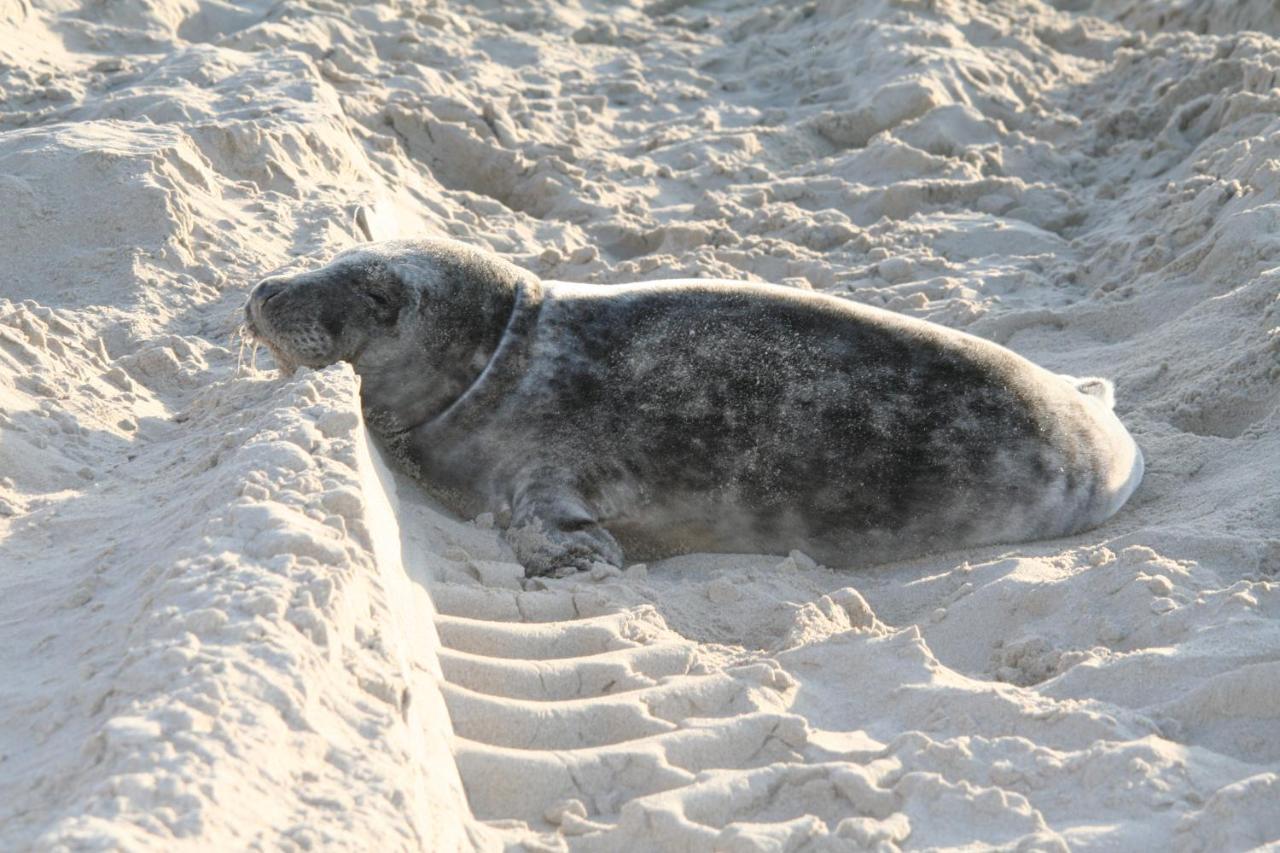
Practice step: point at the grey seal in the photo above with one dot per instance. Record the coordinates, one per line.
(698, 415)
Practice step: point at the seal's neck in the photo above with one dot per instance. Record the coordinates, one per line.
(506, 365)
(456, 334)
(460, 332)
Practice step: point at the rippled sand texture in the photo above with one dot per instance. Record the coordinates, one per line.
(224, 624)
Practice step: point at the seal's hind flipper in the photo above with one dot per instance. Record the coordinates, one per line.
(1096, 387)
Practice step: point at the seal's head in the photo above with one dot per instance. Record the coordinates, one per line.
(346, 311)
(417, 320)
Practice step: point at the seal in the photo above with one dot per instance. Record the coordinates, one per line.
(698, 415)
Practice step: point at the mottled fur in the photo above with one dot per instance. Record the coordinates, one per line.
(700, 415)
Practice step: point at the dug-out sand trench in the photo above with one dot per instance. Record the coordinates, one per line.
(577, 715)
(574, 705)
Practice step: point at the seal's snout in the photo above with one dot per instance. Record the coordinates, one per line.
(262, 293)
(265, 291)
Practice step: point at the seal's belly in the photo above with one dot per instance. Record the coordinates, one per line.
(866, 501)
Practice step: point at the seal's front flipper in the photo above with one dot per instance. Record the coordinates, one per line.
(553, 528)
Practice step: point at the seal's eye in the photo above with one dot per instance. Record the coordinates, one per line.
(379, 299)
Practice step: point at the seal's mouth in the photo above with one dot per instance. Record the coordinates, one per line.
(253, 333)
(250, 324)
(286, 364)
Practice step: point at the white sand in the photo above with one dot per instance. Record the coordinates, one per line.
(224, 625)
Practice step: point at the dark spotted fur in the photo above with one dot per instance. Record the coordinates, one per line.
(695, 415)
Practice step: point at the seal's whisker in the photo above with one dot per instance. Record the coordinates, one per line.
(240, 341)
(250, 343)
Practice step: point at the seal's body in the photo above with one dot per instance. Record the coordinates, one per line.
(700, 415)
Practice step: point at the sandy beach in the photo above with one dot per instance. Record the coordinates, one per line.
(227, 622)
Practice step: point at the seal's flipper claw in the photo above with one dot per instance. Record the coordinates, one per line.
(553, 528)
(546, 549)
